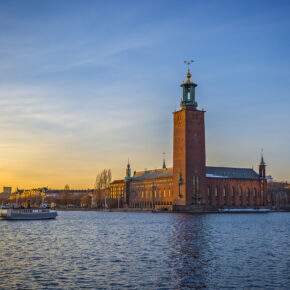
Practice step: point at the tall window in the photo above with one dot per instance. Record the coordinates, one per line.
(255, 196)
(233, 195)
(216, 194)
(195, 183)
(240, 195)
(224, 194)
(208, 195)
(248, 196)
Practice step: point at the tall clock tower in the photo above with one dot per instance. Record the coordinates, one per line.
(188, 149)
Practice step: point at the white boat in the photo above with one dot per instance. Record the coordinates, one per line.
(244, 210)
(28, 214)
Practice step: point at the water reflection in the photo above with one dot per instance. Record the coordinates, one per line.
(187, 247)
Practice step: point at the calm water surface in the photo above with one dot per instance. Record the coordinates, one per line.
(144, 250)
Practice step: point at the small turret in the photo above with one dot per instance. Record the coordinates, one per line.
(128, 171)
(262, 162)
(164, 164)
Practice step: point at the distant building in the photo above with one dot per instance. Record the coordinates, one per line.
(279, 193)
(7, 190)
(54, 193)
(190, 184)
(28, 197)
(5, 195)
(269, 178)
(117, 195)
(36, 196)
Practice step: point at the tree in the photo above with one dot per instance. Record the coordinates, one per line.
(65, 196)
(102, 185)
(86, 200)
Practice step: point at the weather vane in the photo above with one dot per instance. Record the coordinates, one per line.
(188, 63)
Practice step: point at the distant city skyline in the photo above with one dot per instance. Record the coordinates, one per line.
(85, 84)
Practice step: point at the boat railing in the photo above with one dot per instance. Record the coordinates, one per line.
(29, 210)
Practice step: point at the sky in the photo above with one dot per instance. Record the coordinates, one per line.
(86, 84)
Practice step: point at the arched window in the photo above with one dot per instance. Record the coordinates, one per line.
(224, 193)
(216, 194)
(240, 195)
(248, 196)
(233, 195)
(255, 196)
(208, 195)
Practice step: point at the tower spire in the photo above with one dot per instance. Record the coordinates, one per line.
(164, 164)
(262, 162)
(128, 170)
(188, 64)
(262, 167)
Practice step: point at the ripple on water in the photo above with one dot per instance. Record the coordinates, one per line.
(142, 250)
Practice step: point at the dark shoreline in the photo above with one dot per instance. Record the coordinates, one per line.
(161, 211)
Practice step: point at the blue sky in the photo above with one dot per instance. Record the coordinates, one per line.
(85, 84)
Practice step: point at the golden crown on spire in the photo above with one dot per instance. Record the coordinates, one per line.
(188, 72)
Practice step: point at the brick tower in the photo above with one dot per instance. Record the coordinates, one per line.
(263, 181)
(188, 149)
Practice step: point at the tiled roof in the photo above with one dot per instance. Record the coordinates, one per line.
(150, 174)
(228, 172)
(211, 172)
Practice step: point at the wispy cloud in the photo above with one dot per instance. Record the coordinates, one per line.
(83, 86)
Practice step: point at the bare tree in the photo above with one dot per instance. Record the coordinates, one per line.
(85, 200)
(102, 185)
(65, 196)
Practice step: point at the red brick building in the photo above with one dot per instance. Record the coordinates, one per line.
(190, 184)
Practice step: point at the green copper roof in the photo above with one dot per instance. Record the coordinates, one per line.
(128, 171)
(164, 164)
(262, 162)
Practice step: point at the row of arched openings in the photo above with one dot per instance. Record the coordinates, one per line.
(236, 196)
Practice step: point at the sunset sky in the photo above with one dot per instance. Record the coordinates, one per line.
(85, 84)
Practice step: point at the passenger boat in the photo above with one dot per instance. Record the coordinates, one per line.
(28, 214)
(244, 210)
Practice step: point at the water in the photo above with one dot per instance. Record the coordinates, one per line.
(145, 250)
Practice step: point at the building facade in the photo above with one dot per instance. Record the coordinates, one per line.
(190, 184)
(117, 195)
